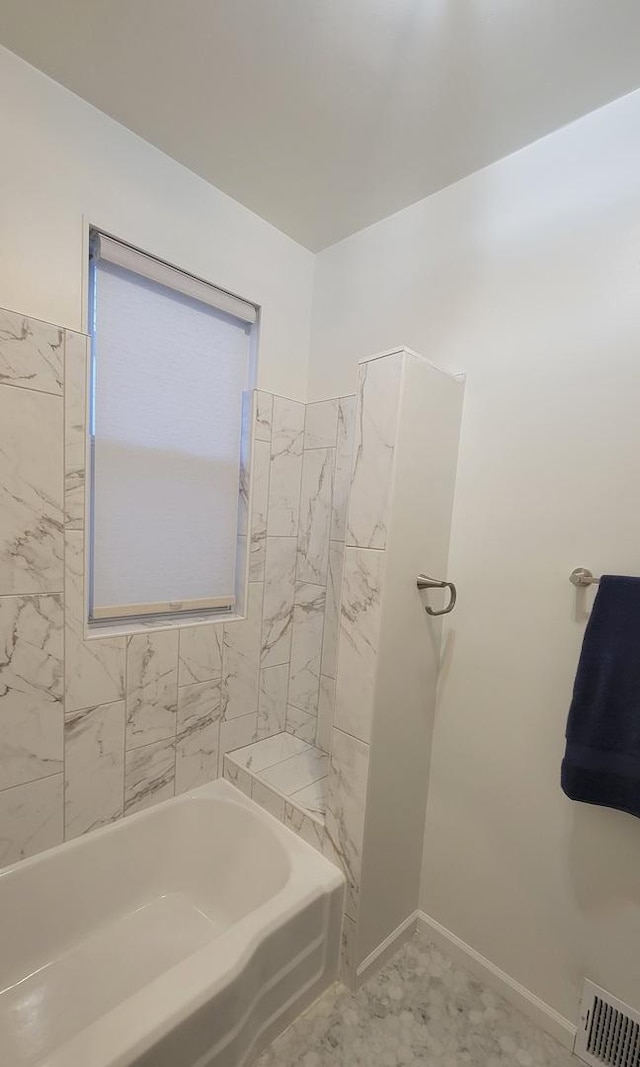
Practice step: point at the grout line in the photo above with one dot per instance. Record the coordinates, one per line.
(31, 389)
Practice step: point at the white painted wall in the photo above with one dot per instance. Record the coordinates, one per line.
(527, 277)
(61, 158)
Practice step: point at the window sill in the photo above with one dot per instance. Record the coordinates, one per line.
(95, 631)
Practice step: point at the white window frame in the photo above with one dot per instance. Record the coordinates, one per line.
(102, 623)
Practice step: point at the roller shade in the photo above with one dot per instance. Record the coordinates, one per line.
(168, 376)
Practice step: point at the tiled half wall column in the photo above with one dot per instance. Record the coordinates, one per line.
(91, 730)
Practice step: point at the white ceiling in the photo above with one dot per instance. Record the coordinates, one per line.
(326, 115)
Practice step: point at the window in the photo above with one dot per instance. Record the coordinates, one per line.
(171, 362)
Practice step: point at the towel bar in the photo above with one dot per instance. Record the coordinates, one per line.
(424, 582)
(581, 577)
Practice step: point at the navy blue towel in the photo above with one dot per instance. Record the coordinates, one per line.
(602, 758)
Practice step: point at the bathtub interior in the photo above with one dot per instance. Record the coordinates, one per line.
(129, 905)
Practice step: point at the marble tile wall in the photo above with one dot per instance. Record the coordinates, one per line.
(96, 728)
(324, 490)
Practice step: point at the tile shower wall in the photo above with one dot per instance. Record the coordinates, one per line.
(324, 489)
(91, 730)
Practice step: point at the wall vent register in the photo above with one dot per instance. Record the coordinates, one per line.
(608, 1029)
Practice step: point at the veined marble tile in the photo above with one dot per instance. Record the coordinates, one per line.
(297, 772)
(248, 402)
(315, 515)
(259, 509)
(326, 711)
(268, 799)
(332, 610)
(75, 438)
(359, 638)
(306, 646)
(236, 733)
(301, 724)
(344, 819)
(31, 818)
(237, 776)
(241, 659)
(374, 445)
(94, 669)
(200, 654)
(286, 463)
(264, 413)
(31, 688)
(31, 498)
(313, 797)
(152, 687)
(279, 590)
(149, 775)
(320, 424)
(348, 952)
(272, 705)
(94, 767)
(259, 755)
(198, 735)
(305, 826)
(342, 474)
(31, 353)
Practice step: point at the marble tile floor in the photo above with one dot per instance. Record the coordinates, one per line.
(420, 1009)
(289, 766)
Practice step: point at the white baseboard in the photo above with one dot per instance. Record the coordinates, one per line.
(527, 1002)
(376, 959)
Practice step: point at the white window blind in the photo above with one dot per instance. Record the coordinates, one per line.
(169, 372)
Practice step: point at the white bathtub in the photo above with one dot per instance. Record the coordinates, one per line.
(185, 936)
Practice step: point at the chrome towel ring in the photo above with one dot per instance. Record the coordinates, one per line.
(424, 582)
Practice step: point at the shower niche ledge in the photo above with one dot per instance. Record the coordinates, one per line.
(288, 778)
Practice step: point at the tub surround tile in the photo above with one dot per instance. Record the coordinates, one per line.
(94, 767)
(359, 637)
(197, 750)
(332, 611)
(297, 772)
(268, 799)
(31, 353)
(200, 654)
(31, 496)
(31, 818)
(94, 669)
(344, 820)
(152, 687)
(272, 705)
(75, 390)
(279, 591)
(326, 711)
(264, 414)
(237, 776)
(149, 775)
(198, 743)
(306, 646)
(301, 724)
(286, 462)
(373, 451)
(31, 688)
(259, 510)
(236, 733)
(304, 825)
(342, 473)
(241, 659)
(315, 515)
(248, 402)
(269, 751)
(313, 797)
(320, 424)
